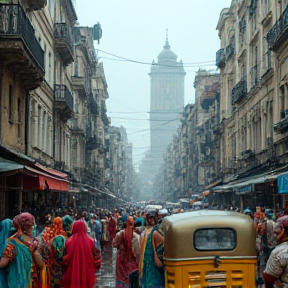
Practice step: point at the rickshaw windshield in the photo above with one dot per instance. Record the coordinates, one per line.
(212, 239)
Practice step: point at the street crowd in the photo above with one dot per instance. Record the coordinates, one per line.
(65, 250)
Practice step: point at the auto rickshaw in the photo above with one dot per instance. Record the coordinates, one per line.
(209, 248)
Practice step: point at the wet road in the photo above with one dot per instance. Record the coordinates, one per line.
(106, 275)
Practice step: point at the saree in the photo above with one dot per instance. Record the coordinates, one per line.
(151, 276)
(126, 266)
(82, 259)
(20, 268)
(5, 227)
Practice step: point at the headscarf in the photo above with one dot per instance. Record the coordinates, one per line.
(5, 227)
(67, 224)
(24, 223)
(55, 230)
(79, 259)
(128, 235)
(58, 244)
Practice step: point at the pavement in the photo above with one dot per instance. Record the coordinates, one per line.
(107, 273)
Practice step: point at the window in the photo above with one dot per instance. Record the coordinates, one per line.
(215, 239)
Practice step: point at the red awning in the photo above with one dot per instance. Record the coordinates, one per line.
(51, 171)
(36, 180)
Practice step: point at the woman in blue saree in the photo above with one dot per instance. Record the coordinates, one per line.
(5, 228)
(21, 255)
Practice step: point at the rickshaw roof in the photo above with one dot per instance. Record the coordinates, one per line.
(179, 230)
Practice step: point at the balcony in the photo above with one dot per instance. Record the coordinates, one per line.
(81, 85)
(220, 58)
(93, 143)
(277, 35)
(282, 125)
(78, 125)
(63, 101)
(63, 42)
(19, 49)
(33, 5)
(93, 106)
(239, 91)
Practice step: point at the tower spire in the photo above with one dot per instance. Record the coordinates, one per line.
(167, 46)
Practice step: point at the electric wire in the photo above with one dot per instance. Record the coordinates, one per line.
(188, 64)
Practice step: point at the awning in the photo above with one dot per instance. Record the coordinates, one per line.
(34, 179)
(240, 187)
(8, 165)
(213, 184)
(42, 181)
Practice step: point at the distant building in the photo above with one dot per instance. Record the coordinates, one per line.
(166, 103)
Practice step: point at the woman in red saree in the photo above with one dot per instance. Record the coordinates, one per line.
(82, 259)
(128, 253)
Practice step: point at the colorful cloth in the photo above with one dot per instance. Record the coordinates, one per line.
(5, 227)
(55, 263)
(126, 262)
(22, 269)
(82, 259)
(150, 275)
(56, 229)
(67, 224)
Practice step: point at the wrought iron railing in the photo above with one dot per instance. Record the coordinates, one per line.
(62, 32)
(61, 92)
(239, 91)
(230, 49)
(278, 29)
(79, 123)
(15, 22)
(220, 57)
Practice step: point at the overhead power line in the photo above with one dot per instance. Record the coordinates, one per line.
(189, 64)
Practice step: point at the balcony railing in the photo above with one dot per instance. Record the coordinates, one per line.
(282, 125)
(78, 124)
(239, 91)
(64, 101)
(277, 35)
(63, 42)
(81, 85)
(93, 106)
(230, 49)
(220, 58)
(19, 46)
(36, 4)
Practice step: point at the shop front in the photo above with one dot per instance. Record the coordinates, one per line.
(282, 183)
(27, 188)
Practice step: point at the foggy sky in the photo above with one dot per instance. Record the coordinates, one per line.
(136, 30)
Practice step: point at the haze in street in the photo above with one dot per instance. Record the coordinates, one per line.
(134, 33)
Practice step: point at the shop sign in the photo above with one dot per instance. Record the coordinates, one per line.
(245, 189)
(282, 183)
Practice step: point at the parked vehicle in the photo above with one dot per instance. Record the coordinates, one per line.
(209, 248)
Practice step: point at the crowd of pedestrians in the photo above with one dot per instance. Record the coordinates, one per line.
(67, 251)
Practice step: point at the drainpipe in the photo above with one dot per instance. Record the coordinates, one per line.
(27, 108)
(1, 102)
(54, 126)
